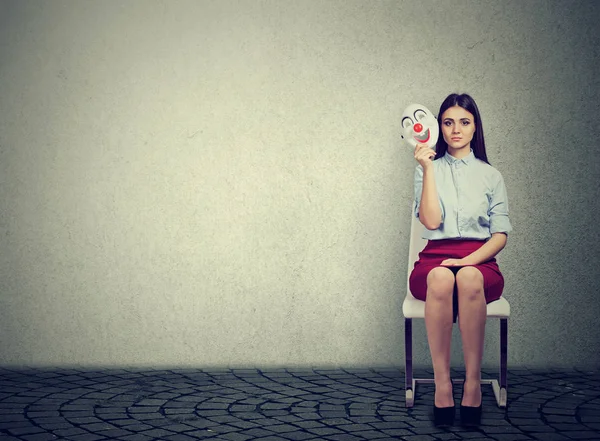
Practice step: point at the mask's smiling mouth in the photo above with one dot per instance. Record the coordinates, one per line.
(424, 137)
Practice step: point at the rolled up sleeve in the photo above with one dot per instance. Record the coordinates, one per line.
(418, 188)
(498, 211)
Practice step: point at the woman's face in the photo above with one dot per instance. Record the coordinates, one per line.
(458, 127)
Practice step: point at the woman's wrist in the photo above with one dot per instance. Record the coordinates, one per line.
(468, 261)
(427, 166)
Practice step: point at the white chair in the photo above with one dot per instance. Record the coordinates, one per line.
(413, 308)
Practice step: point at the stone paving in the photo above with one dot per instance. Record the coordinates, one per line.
(281, 404)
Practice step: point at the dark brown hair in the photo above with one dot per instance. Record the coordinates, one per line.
(477, 143)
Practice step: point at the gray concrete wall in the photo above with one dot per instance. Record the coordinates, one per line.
(222, 183)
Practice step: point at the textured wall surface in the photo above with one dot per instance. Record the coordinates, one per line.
(207, 183)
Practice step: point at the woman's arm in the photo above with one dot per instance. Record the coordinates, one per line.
(430, 213)
(493, 246)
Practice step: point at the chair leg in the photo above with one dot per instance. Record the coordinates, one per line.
(408, 372)
(503, 361)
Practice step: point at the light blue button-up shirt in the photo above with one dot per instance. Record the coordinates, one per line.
(472, 198)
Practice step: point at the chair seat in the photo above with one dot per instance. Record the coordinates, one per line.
(414, 308)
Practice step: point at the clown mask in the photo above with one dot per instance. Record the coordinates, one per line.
(419, 126)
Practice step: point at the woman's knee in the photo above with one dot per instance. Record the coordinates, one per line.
(469, 282)
(440, 283)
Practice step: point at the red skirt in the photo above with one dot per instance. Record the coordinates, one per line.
(438, 250)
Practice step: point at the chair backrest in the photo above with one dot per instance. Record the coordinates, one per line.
(417, 243)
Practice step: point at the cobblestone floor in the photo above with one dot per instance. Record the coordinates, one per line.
(281, 404)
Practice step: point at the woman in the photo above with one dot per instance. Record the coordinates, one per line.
(461, 200)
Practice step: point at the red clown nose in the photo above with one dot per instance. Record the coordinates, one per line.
(418, 127)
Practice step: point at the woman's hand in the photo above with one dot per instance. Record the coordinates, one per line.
(424, 155)
(454, 262)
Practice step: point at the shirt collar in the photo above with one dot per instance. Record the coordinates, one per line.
(452, 160)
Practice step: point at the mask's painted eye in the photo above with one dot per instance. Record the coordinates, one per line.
(406, 122)
(420, 115)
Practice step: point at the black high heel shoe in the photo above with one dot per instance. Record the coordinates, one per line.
(443, 416)
(470, 416)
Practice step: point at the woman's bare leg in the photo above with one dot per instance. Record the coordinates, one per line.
(471, 321)
(438, 321)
